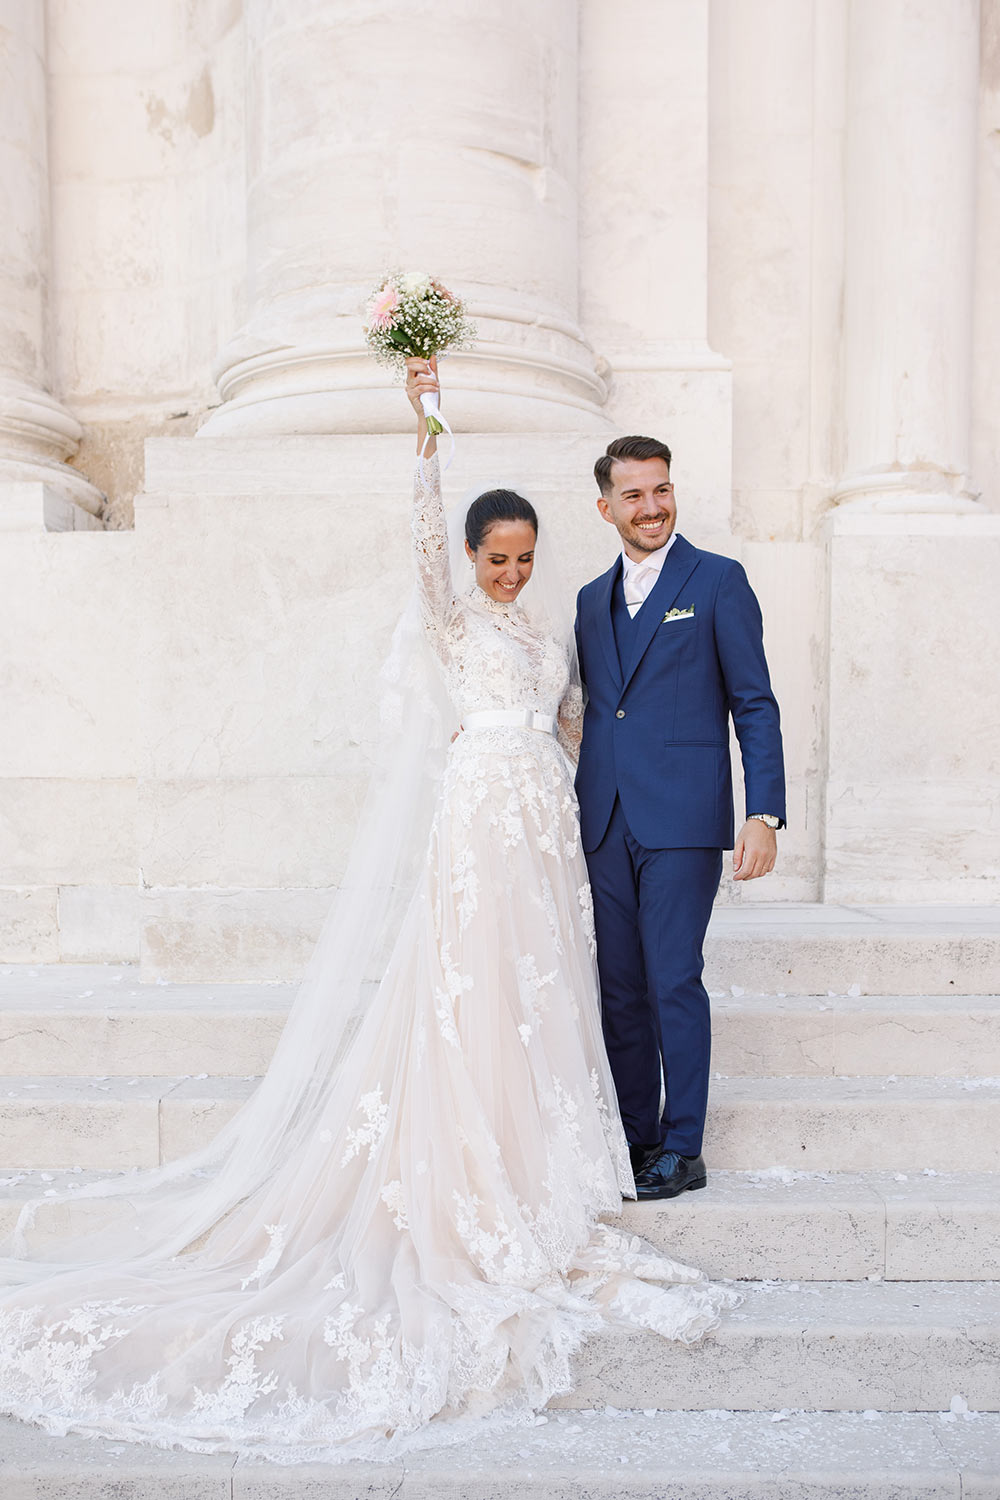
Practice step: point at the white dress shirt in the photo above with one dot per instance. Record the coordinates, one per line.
(638, 578)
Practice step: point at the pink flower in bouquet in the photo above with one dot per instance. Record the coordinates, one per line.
(383, 305)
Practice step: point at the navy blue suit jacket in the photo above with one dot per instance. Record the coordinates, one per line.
(656, 729)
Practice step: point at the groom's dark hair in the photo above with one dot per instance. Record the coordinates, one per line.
(627, 447)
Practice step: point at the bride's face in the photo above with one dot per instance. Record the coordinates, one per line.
(504, 559)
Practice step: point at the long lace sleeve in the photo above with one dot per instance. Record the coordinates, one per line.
(569, 725)
(430, 548)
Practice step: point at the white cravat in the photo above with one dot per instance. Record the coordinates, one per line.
(639, 578)
(638, 582)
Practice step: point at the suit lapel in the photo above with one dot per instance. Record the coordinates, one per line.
(605, 627)
(679, 564)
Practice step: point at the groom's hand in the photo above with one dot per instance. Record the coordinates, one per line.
(755, 850)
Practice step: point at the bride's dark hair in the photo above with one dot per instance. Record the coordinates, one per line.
(493, 506)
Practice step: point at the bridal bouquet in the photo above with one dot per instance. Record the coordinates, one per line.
(413, 316)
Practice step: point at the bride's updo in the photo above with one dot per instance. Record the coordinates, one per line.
(493, 506)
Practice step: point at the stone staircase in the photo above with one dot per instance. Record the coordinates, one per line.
(854, 1153)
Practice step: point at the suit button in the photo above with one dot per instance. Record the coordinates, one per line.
(620, 714)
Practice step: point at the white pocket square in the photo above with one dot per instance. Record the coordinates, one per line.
(678, 614)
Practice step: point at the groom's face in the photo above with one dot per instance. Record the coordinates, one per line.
(640, 504)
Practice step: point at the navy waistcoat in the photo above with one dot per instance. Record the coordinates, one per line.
(625, 626)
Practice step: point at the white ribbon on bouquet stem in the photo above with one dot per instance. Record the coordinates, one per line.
(431, 404)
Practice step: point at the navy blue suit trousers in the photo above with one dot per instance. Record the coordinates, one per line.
(651, 909)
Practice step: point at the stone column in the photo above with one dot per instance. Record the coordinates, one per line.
(36, 433)
(644, 128)
(439, 138)
(910, 241)
(911, 794)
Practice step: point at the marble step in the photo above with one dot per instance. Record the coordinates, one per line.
(855, 1124)
(821, 1345)
(953, 1036)
(804, 1124)
(800, 948)
(832, 1226)
(747, 1225)
(98, 1020)
(112, 1123)
(810, 949)
(570, 1455)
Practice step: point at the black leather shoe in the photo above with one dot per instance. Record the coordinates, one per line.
(642, 1156)
(669, 1175)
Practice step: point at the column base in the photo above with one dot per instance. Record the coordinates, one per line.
(907, 492)
(36, 435)
(303, 369)
(376, 410)
(40, 505)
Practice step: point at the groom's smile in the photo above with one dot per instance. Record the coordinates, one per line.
(640, 504)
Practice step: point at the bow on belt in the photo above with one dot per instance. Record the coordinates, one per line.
(509, 718)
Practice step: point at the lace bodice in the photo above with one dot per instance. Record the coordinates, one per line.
(492, 655)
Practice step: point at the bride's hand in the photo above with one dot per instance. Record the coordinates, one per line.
(421, 377)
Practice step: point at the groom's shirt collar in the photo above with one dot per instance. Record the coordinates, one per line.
(654, 560)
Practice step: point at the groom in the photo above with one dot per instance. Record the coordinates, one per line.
(670, 644)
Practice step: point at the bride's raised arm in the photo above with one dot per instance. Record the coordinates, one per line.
(430, 531)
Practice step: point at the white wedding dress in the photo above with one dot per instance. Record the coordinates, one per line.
(421, 1258)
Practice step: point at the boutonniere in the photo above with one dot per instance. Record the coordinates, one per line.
(678, 614)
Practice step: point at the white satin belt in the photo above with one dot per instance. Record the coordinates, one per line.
(509, 718)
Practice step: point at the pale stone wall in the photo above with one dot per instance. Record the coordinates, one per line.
(769, 233)
(986, 318)
(37, 433)
(148, 207)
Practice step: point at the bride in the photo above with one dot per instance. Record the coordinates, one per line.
(398, 1241)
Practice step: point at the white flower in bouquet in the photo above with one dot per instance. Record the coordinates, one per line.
(412, 316)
